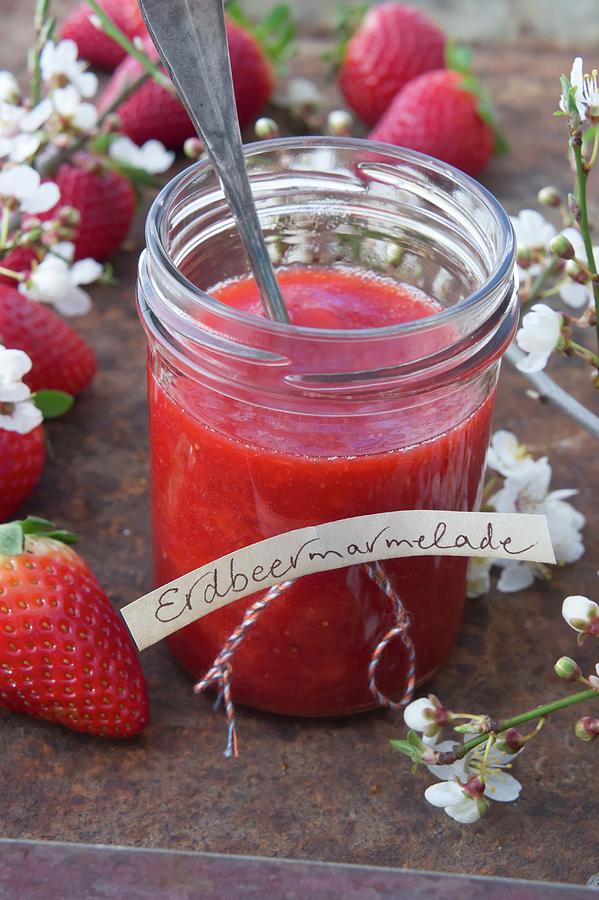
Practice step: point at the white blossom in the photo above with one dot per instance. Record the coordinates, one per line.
(580, 612)
(18, 142)
(532, 230)
(498, 785)
(152, 157)
(68, 105)
(19, 148)
(53, 281)
(59, 66)
(586, 95)
(23, 184)
(300, 94)
(506, 454)
(9, 89)
(425, 716)
(478, 580)
(527, 490)
(594, 679)
(457, 803)
(18, 412)
(575, 294)
(538, 336)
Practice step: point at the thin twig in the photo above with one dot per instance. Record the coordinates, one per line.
(552, 393)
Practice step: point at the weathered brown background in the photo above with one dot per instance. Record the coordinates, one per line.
(326, 790)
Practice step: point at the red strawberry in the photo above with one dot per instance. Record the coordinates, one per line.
(105, 200)
(437, 113)
(95, 45)
(155, 112)
(21, 463)
(393, 44)
(61, 358)
(65, 655)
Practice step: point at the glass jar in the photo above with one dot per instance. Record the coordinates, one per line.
(259, 427)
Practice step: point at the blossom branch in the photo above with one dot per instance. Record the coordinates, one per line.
(44, 26)
(540, 712)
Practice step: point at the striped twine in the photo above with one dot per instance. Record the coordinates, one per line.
(220, 673)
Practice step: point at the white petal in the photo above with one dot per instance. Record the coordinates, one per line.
(579, 607)
(87, 84)
(9, 89)
(44, 198)
(124, 150)
(65, 250)
(66, 100)
(14, 364)
(446, 793)
(502, 787)
(86, 117)
(85, 271)
(414, 714)
(19, 182)
(515, 576)
(478, 576)
(25, 417)
(14, 393)
(156, 158)
(536, 362)
(36, 117)
(466, 812)
(575, 295)
(23, 147)
(74, 303)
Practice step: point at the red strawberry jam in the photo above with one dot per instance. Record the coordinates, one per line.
(223, 480)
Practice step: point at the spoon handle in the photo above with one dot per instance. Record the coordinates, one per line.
(191, 39)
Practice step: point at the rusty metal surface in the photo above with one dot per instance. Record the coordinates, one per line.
(67, 872)
(315, 790)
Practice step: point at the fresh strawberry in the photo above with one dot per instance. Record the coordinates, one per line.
(152, 111)
(105, 200)
(443, 114)
(65, 655)
(392, 44)
(95, 45)
(61, 359)
(21, 463)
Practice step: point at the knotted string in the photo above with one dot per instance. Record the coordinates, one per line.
(220, 673)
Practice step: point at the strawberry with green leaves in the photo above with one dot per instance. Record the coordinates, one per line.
(153, 111)
(93, 43)
(383, 48)
(446, 114)
(65, 654)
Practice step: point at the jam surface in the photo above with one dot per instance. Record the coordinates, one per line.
(214, 491)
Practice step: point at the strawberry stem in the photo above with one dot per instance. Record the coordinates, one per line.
(13, 534)
(347, 18)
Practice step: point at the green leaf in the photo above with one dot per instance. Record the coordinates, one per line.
(347, 18)
(458, 58)
(485, 109)
(53, 404)
(413, 753)
(275, 33)
(12, 539)
(35, 525)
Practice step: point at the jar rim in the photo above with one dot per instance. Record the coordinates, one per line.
(502, 270)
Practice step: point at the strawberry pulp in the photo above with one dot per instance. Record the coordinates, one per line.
(223, 484)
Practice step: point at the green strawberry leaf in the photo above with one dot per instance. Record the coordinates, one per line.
(347, 18)
(275, 33)
(12, 539)
(461, 58)
(53, 404)
(12, 534)
(458, 58)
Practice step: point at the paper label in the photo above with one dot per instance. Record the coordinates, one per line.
(319, 548)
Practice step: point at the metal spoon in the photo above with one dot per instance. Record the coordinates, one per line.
(191, 39)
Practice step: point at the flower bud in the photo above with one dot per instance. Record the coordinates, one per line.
(568, 669)
(561, 246)
(112, 123)
(68, 215)
(524, 257)
(549, 196)
(340, 123)
(587, 728)
(573, 271)
(511, 741)
(265, 129)
(193, 148)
